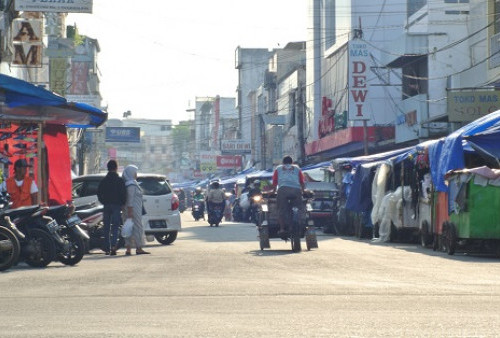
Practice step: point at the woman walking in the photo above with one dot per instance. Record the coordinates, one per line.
(133, 210)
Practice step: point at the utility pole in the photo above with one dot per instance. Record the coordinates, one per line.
(300, 123)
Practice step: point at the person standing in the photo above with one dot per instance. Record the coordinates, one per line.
(22, 189)
(133, 210)
(112, 195)
(289, 180)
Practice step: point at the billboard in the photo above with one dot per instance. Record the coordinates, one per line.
(467, 106)
(123, 134)
(359, 67)
(59, 6)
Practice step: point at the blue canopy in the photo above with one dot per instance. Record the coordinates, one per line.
(23, 101)
(354, 161)
(449, 153)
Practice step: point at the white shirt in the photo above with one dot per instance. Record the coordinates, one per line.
(33, 188)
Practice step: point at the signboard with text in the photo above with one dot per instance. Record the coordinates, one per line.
(359, 67)
(59, 6)
(208, 161)
(228, 161)
(123, 134)
(236, 146)
(466, 106)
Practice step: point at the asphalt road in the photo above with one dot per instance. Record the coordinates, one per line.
(215, 282)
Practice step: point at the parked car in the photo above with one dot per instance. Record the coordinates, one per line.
(162, 219)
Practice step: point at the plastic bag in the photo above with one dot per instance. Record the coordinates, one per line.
(127, 228)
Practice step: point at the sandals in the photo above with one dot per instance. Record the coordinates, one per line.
(142, 252)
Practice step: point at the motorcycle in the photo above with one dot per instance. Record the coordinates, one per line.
(237, 212)
(256, 209)
(10, 248)
(93, 225)
(37, 241)
(198, 210)
(216, 213)
(70, 238)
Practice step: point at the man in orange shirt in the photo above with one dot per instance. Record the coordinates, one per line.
(21, 188)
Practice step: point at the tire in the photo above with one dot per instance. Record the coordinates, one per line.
(296, 247)
(435, 242)
(166, 238)
(40, 249)
(9, 249)
(75, 252)
(264, 238)
(425, 238)
(451, 239)
(311, 240)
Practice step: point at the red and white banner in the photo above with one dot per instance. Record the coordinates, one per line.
(228, 161)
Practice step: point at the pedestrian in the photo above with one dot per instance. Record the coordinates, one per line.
(112, 195)
(133, 210)
(22, 189)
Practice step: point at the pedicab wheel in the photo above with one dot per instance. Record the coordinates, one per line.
(9, 249)
(165, 238)
(425, 238)
(311, 239)
(40, 249)
(296, 243)
(264, 238)
(451, 239)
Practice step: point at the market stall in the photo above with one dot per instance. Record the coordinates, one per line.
(33, 124)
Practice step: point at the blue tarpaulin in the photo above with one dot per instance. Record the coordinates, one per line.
(449, 153)
(23, 101)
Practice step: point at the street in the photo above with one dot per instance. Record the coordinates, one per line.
(216, 282)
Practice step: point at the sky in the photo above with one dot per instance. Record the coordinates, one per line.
(157, 56)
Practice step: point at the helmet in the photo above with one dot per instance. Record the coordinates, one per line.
(198, 189)
(256, 182)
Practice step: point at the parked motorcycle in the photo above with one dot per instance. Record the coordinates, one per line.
(198, 210)
(215, 214)
(10, 248)
(70, 238)
(38, 247)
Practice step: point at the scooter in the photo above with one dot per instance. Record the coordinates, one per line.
(10, 248)
(70, 239)
(198, 210)
(215, 214)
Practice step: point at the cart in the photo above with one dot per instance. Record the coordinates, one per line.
(474, 218)
(299, 226)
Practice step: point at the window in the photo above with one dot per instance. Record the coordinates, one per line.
(496, 16)
(412, 6)
(152, 149)
(456, 1)
(154, 186)
(329, 31)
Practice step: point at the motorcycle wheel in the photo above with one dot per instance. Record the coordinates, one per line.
(166, 238)
(40, 249)
(75, 252)
(9, 249)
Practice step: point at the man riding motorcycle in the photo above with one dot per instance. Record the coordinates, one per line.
(289, 180)
(215, 198)
(199, 199)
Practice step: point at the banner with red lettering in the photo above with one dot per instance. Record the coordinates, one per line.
(359, 71)
(228, 161)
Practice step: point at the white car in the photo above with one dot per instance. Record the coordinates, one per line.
(162, 219)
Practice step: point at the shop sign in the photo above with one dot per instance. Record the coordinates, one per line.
(54, 6)
(466, 106)
(236, 146)
(228, 161)
(359, 66)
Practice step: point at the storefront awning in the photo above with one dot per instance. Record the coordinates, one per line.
(23, 101)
